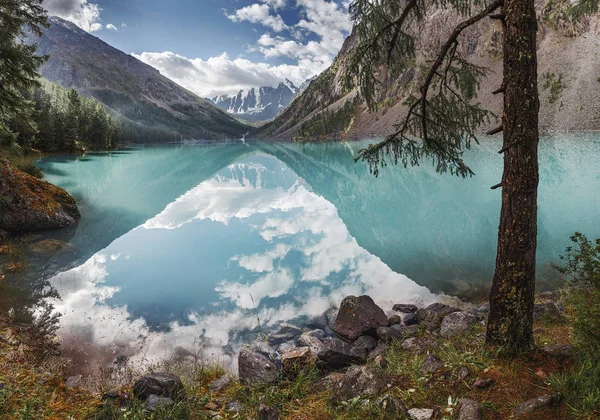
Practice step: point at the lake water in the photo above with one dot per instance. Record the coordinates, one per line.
(185, 249)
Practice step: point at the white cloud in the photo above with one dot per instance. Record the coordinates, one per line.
(112, 27)
(223, 75)
(259, 13)
(84, 14)
(325, 23)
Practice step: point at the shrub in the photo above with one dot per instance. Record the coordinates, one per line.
(582, 269)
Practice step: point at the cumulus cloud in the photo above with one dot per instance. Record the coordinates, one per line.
(84, 14)
(222, 75)
(112, 27)
(259, 13)
(324, 24)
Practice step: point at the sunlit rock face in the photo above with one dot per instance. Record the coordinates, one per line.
(242, 251)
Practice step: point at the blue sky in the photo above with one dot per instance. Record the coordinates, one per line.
(215, 47)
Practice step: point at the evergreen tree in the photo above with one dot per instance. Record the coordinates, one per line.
(443, 117)
(18, 61)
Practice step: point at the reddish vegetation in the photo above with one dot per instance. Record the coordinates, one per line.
(29, 204)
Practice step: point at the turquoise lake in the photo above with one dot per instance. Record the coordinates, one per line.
(185, 249)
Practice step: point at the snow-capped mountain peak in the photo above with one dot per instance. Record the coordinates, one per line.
(258, 103)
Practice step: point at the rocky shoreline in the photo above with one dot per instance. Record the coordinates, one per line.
(349, 350)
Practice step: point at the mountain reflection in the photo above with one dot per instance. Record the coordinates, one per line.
(252, 244)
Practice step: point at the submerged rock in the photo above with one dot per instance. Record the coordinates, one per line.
(28, 204)
(47, 248)
(534, 404)
(255, 369)
(161, 384)
(358, 316)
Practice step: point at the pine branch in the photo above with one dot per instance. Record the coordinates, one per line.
(445, 151)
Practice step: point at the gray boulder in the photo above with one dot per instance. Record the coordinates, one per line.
(155, 402)
(378, 351)
(457, 322)
(331, 316)
(559, 350)
(266, 412)
(362, 381)
(255, 369)
(469, 410)
(418, 345)
(432, 316)
(313, 343)
(411, 319)
(395, 332)
(73, 381)
(160, 384)
(395, 320)
(297, 359)
(286, 328)
(391, 407)
(234, 407)
(337, 354)
(431, 364)
(220, 383)
(547, 310)
(363, 346)
(534, 404)
(420, 413)
(405, 309)
(358, 316)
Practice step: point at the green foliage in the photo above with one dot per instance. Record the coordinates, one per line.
(582, 268)
(328, 122)
(581, 387)
(18, 62)
(555, 84)
(442, 116)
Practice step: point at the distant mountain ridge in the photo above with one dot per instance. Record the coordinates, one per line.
(129, 87)
(258, 104)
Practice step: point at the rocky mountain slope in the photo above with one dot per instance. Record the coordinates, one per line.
(129, 87)
(258, 104)
(569, 82)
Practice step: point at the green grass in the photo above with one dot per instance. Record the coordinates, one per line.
(581, 387)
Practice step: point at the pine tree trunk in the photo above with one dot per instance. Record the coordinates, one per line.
(510, 323)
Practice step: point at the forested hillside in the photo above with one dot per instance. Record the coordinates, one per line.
(129, 88)
(62, 120)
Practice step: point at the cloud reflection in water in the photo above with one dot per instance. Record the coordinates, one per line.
(252, 241)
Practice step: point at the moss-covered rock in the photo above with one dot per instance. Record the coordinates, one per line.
(28, 204)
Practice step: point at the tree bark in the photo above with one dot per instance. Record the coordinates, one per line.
(510, 322)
